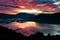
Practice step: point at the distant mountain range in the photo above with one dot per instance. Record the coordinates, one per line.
(20, 15)
(41, 18)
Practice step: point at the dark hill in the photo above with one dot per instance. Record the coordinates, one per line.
(9, 34)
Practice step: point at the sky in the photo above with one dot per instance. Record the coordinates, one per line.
(29, 6)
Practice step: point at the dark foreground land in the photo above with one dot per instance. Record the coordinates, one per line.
(9, 34)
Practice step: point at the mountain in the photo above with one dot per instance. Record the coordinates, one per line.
(41, 18)
(20, 15)
(48, 18)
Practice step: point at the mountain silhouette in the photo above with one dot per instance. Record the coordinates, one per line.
(41, 18)
(48, 18)
(19, 15)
